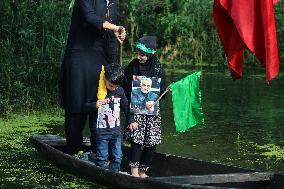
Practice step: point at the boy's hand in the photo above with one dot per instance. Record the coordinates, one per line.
(99, 103)
(133, 126)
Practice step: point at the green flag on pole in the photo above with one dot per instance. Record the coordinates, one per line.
(186, 98)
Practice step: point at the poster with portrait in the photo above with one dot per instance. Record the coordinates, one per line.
(144, 95)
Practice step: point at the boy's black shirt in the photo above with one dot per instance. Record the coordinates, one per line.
(109, 122)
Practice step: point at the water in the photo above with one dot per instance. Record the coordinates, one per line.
(241, 117)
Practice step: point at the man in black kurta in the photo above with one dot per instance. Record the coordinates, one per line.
(92, 42)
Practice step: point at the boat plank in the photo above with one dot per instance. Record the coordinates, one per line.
(218, 178)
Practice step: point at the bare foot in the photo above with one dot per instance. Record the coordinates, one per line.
(134, 172)
(142, 174)
(135, 175)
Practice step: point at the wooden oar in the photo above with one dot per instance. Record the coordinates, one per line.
(120, 53)
(120, 46)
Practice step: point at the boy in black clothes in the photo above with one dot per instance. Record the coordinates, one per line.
(106, 120)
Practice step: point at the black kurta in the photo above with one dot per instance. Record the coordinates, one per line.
(89, 46)
(149, 131)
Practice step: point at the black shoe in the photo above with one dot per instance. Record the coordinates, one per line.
(91, 158)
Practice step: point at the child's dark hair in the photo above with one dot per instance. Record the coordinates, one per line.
(114, 73)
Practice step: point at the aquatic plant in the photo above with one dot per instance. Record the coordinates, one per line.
(272, 151)
(21, 166)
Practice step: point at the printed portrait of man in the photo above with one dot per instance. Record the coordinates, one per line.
(144, 96)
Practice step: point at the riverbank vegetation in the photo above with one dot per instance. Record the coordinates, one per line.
(33, 37)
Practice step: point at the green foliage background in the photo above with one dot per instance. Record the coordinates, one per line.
(33, 36)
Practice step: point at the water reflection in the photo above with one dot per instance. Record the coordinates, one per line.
(240, 116)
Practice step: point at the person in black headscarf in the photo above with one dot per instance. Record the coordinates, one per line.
(145, 132)
(92, 42)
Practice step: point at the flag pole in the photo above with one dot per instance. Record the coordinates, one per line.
(161, 96)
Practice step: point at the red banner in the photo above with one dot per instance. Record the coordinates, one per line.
(248, 24)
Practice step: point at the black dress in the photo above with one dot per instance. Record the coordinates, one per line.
(89, 46)
(149, 131)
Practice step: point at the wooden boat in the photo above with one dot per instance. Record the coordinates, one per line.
(167, 172)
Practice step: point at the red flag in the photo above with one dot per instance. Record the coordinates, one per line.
(248, 24)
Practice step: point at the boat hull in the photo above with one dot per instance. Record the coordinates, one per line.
(167, 171)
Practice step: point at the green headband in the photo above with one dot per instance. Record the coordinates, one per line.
(143, 48)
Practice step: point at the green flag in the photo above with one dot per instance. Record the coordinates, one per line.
(186, 98)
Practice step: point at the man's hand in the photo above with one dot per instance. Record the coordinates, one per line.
(119, 31)
(120, 34)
